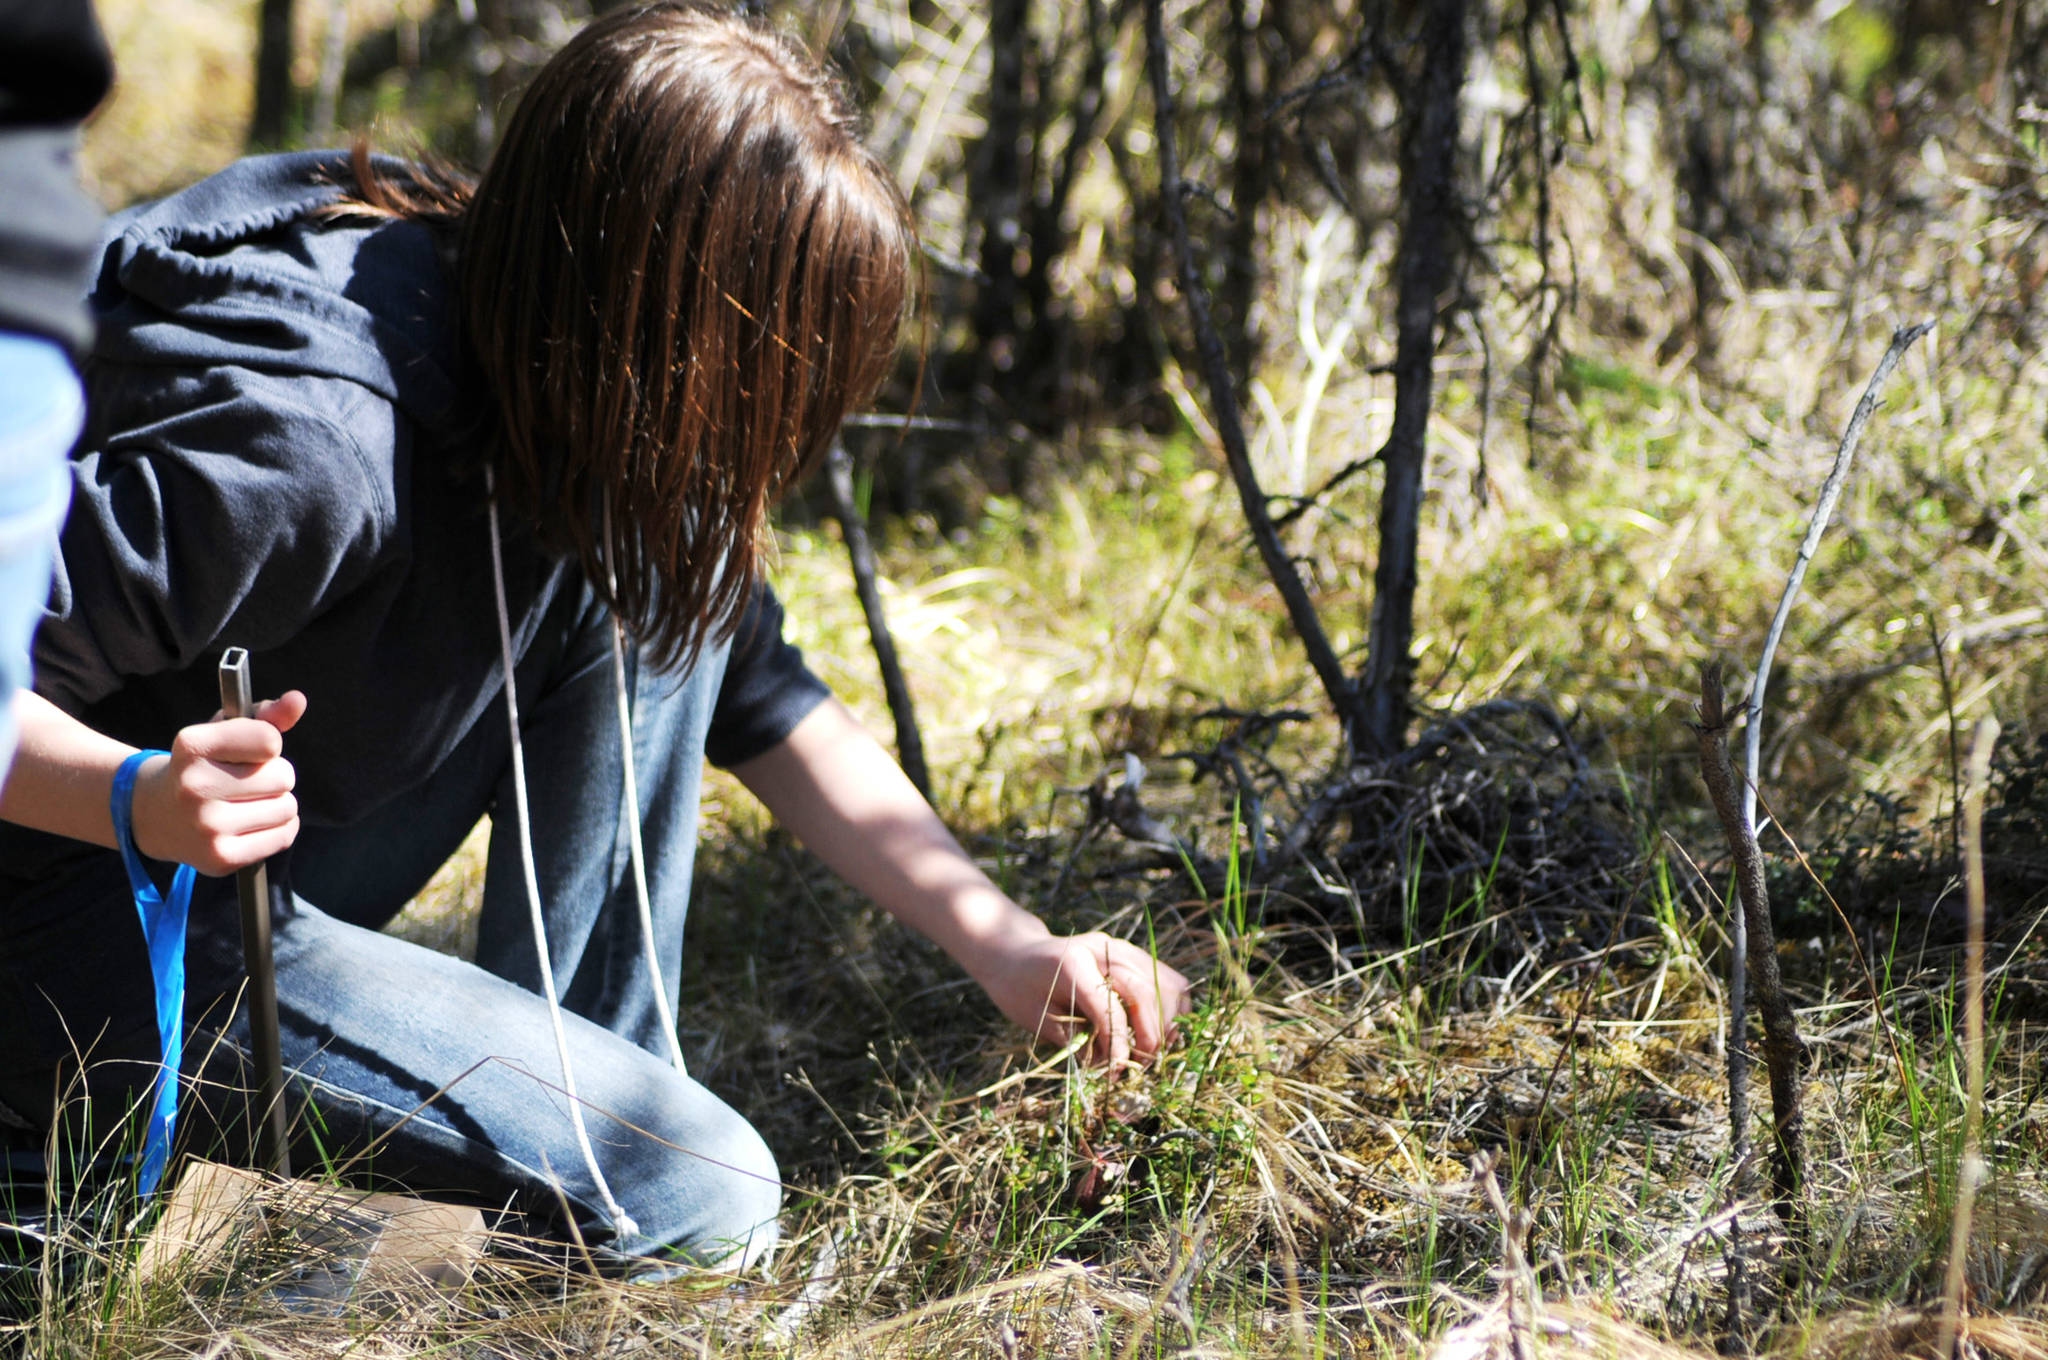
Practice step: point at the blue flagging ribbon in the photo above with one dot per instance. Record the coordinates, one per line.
(163, 928)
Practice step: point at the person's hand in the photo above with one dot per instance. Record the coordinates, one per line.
(1057, 985)
(223, 800)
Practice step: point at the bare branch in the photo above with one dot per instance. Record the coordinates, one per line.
(1784, 1051)
(1303, 504)
(909, 742)
(2019, 626)
(1830, 492)
(1215, 362)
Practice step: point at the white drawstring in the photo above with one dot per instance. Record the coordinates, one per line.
(621, 1220)
(668, 1019)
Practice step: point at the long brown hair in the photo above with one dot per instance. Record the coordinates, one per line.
(679, 273)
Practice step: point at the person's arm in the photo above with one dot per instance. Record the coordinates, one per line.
(844, 797)
(220, 801)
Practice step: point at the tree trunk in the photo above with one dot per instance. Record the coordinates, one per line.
(489, 44)
(999, 185)
(1431, 226)
(1248, 184)
(1048, 213)
(333, 61)
(273, 75)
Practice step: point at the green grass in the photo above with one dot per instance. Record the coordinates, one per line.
(1293, 1179)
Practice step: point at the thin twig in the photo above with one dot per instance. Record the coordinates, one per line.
(2019, 626)
(885, 420)
(1939, 645)
(1738, 1076)
(1830, 493)
(1735, 804)
(1879, 1019)
(1301, 505)
(1343, 788)
(1972, 1171)
(1123, 809)
(909, 742)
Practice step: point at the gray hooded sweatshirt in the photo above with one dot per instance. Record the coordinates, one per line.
(277, 457)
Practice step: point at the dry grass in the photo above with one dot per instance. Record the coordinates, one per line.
(1294, 1179)
(189, 59)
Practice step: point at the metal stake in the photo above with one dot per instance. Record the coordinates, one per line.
(252, 885)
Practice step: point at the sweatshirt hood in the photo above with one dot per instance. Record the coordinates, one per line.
(239, 269)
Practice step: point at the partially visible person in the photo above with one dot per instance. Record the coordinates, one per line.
(425, 446)
(54, 68)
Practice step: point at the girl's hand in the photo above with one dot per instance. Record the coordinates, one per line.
(223, 800)
(1057, 985)
(845, 798)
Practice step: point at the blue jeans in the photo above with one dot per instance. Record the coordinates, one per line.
(410, 1067)
(41, 409)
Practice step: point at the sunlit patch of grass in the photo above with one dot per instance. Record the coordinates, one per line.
(181, 100)
(1045, 641)
(444, 914)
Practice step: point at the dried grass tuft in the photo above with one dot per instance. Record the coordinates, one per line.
(1562, 1332)
(1910, 1334)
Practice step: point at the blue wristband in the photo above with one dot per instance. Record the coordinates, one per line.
(163, 930)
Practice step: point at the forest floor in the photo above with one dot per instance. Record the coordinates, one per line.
(1508, 979)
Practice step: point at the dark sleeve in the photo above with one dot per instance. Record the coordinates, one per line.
(767, 691)
(53, 68)
(242, 505)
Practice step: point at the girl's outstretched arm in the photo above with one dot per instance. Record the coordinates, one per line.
(221, 800)
(832, 785)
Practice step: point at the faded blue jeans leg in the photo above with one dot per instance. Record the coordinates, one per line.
(426, 1071)
(581, 848)
(450, 1067)
(41, 409)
